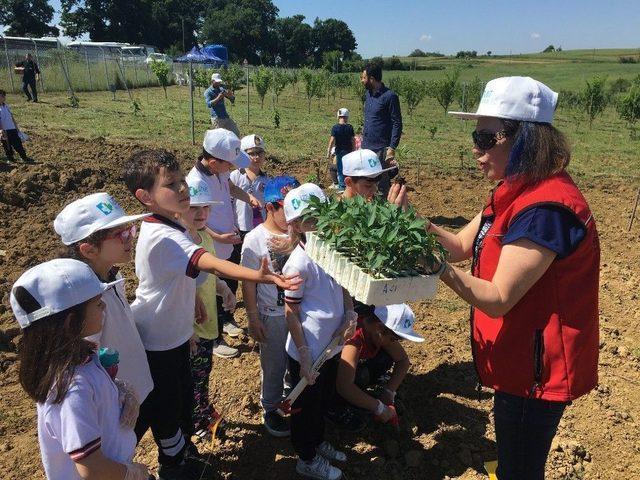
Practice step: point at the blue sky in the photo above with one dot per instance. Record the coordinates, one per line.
(387, 27)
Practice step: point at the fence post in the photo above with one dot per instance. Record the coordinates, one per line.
(193, 127)
(66, 76)
(123, 70)
(106, 69)
(120, 67)
(135, 73)
(35, 47)
(9, 67)
(86, 57)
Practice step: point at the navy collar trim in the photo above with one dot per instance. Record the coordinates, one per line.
(202, 169)
(157, 218)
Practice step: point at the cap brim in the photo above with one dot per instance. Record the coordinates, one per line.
(107, 285)
(242, 160)
(414, 338)
(206, 204)
(464, 115)
(115, 223)
(374, 174)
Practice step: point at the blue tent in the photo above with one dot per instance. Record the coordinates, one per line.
(213, 55)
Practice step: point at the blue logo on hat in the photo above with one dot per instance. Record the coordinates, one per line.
(295, 203)
(408, 322)
(373, 161)
(105, 207)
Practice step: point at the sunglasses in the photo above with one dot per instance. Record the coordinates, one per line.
(487, 140)
(124, 235)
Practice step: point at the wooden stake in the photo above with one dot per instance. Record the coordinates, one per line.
(633, 213)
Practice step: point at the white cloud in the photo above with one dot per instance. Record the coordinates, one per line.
(535, 35)
(425, 37)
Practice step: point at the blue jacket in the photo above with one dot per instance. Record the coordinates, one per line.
(382, 119)
(218, 110)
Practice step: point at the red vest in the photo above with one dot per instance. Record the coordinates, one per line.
(546, 346)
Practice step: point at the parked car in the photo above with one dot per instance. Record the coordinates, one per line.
(158, 57)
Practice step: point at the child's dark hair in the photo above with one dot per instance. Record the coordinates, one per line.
(143, 168)
(50, 349)
(73, 251)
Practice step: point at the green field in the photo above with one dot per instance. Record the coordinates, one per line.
(604, 150)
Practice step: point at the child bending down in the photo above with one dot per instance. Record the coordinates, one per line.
(80, 431)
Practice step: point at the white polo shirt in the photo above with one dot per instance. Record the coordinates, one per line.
(254, 249)
(222, 218)
(166, 260)
(321, 303)
(120, 333)
(6, 118)
(87, 419)
(244, 211)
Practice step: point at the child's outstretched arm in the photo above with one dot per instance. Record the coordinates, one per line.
(401, 366)
(98, 467)
(224, 268)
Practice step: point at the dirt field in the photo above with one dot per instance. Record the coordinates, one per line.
(446, 432)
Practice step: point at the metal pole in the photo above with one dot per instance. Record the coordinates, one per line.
(247, 94)
(106, 70)
(66, 76)
(35, 46)
(193, 125)
(125, 80)
(135, 73)
(9, 67)
(633, 213)
(86, 57)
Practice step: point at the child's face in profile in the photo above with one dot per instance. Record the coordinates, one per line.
(93, 316)
(117, 247)
(196, 217)
(170, 192)
(278, 217)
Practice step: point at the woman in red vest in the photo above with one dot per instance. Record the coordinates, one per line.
(533, 286)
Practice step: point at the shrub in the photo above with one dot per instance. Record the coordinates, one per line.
(445, 90)
(262, 81)
(594, 97)
(233, 77)
(279, 82)
(628, 107)
(161, 70)
(468, 94)
(627, 60)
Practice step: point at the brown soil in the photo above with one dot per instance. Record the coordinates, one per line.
(445, 430)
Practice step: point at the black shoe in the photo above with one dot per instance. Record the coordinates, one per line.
(190, 469)
(28, 160)
(345, 418)
(276, 425)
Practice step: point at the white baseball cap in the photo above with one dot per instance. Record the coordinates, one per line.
(252, 141)
(225, 145)
(297, 200)
(81, 218)
(515, 98)
(399, 319)
(362, 163)
(56, 286)
(200, 194)
(216, 77)
(343, 112)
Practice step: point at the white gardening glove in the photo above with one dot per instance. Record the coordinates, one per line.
(228, 298)
(193, 344)
(130, 404)
(306, 364)
(137, 471)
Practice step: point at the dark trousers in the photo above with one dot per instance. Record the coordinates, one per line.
(200, 371)
(385, 179)
(524, 431)
(168, 408)
(11, 142)
(26, 83)
(307, 417)
(368, 371)
(223, 315)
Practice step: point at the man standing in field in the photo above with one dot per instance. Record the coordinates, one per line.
(214, 97)
(382, 121)
(30, 73)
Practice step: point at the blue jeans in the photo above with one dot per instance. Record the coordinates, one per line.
(339, 155)
(524, 431)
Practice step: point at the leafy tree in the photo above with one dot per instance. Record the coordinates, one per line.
(27, 18)
(594, 97)
(413, 92)
(262, 81)
(629, 107)
(161, 70)
(549, 49)
(294, 40)
(313, 85)
(201, 77)
(332, 60)
(233, 77)
(488, 53)
(279, 81)
(444, 90)
(332, 34)
(417, 53)
(244, 26)
(619, 85)
(467, 54)
(468, 94)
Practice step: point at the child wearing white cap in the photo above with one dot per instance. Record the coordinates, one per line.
(362, 173)
(97, 231)
(251, 180)
(343, 140)
(372, 350)
(315, 313)
(206, 321)
(80, 427)
(221, 151)
(214, 98)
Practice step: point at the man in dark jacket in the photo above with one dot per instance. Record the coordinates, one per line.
(30, 73)
(382, 121)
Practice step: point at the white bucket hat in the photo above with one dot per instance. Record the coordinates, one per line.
(200, 193)
(515, 98)
(225, 145)
(362, 163)
(399, 319)
(252, 141)
(297, 200)
(56, 286)
(81, 218)
(216, 77)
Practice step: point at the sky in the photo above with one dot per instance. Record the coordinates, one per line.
(396, 27)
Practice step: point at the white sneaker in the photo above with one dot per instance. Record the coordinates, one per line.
(327, 451)
(222, 350)
(318, 468)
(232, 329)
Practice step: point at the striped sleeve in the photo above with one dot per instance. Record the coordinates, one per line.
(192, 266)
(296, 264)
(86, 450)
